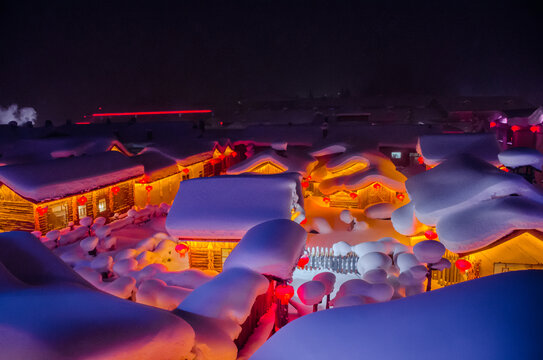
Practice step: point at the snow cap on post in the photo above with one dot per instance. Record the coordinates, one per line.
(429, 251)
(328, 279)
(311, 292)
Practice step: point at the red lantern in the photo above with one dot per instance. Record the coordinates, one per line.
(534, 129)
(186, 170)
(148, 188)
(353, 195)
(309, 177)
(302, 262)
(515, 128)
(420, 160)
(82, 200)
(326, 199)
(376, 186)
(462, 265)
(115, 190)
(42, 210)
(400, 196)
(181, 249)
(493, 124)
(430, 234)
(221, 156)
(284, 293)
(144, 180)
(305, 184)
(303, 222)
(234, 154)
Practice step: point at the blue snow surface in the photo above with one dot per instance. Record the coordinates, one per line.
(496, 317)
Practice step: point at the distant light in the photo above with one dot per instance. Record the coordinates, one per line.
(221, 123)
(515, 128)
(99, 108)
(83, 123)
(154, 113)
(493, 124)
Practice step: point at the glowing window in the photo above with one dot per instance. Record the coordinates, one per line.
(102, 205)
(396, 155)
(82, 211)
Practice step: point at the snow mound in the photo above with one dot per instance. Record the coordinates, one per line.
(271, 248)
(429, 251)
(311, 292)
(228, 296)
(404, 220)
(367, 330)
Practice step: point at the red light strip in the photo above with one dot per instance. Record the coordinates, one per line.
(83, 123)
(154, 113)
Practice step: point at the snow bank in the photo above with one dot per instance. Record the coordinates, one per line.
(41, 181)
(228, 296)
(226, 207)
(271, 248)
(516, 157)
(367, 330)
(157, 293)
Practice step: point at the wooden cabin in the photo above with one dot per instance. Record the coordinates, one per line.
(271, 161)
(357, 181)
(47, 195)
(212, 214)
(160, 182)
(520, 250)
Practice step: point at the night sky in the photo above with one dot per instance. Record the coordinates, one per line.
(67, 58)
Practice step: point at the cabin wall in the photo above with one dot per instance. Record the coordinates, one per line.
(16, 213)
(164, 191)
(209, 255)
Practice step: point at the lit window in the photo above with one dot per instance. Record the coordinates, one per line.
(102, 205)
(396, 155)
(82, 211)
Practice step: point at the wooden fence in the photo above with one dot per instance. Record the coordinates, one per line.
(324, 259)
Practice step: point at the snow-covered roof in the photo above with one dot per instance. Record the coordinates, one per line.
(488, 306)
(378, 168)
(32, 150)
(271, 248)
(329, 149)
(436, 148)
(186, 152)
(54, 179)
(226, 207)
(520, 156)
(461, 182)
(484, 223)
(156, 165)
(292, 160)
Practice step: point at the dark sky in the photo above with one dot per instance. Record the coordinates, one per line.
(66, 58)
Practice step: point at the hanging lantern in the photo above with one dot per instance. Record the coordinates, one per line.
(462, 265)
(82, 200)
(181, 249)
(303, 222)
(284, 293)
(148, 188)
(115, 190)
(309, 177)
(376, 186)
(534, 129)
(144, 180)
(234, 154)
(400, 196)
(493, 124)
(42, 210)
(515, 128)
(221, 156)
(186, 170)
(430, 234)
(302, 262)
(420, 159)
(326, 199)
(353, 195)
(305, 184)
